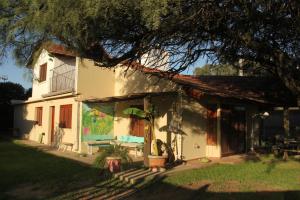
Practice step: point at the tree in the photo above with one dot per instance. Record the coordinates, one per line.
(265, 33)
(210, 69)
(9, 91)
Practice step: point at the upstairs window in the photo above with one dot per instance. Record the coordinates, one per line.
(38, 115)
(43, 72)
(65, 116)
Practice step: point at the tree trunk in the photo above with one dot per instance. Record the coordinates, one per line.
(147, 136)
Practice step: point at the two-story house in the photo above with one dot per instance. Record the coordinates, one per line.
(75, 101)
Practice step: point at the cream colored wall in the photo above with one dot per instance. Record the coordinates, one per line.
(24, 118)
(40, 88)
(194, 129)
(61, 63)
(94, 81)
(132, 81)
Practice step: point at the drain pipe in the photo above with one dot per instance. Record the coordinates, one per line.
(78, 125)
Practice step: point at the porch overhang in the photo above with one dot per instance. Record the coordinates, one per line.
(127, 97)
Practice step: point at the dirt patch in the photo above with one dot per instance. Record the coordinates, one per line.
(29, 191)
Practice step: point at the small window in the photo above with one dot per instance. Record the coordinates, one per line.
(38, 115)
(43, 72)
(65, 116)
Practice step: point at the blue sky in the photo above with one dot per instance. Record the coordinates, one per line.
(18, 74)
(15, 74)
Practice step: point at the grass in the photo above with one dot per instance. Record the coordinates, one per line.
(28, 173)
(266, 178)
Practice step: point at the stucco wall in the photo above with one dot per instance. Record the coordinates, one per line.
(194, 129)
(40, 88)
(60, 63)
(132, 81)
(94, 81)
(24, 118)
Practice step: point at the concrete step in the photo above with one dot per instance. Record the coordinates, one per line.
(117, 175)
(144, 178)
(122, 176)
(141, 173)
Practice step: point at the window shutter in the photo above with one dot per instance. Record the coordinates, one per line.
(43, 72)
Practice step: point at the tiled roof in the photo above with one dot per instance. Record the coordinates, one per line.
(255, 89)
(60, 50)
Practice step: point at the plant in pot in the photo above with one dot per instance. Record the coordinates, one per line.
(157, 159)
(112, 157)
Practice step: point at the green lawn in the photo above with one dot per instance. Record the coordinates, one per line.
(267, 178)
(27, 173)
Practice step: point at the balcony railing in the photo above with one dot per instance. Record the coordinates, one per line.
(63, 81)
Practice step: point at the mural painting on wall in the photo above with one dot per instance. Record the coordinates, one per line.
(97, 120)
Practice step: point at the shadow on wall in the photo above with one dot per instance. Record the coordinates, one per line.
(57, 137)
(137, 82)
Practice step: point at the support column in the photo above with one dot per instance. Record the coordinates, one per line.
(286, 122)
(219, 131)
(147, 135)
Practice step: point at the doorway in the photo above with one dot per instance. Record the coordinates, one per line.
(137, 124)
(52, 118)
(233, 130)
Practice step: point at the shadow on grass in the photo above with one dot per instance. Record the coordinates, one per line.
(29, 173)
(164, 190)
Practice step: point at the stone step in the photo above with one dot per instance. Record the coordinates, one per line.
(117, 175)
(142, 173)
(150, 176)
(122, 176)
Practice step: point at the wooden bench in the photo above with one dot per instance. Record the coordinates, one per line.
(130, 142)
(99, 141)
(64, 146)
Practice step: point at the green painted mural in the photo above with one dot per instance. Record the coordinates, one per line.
(97, 121)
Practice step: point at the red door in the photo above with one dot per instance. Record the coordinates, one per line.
(212, 125)
(232, 131)
(52, 112)
(137, 124)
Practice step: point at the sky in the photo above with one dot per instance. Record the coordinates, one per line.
(17, 74)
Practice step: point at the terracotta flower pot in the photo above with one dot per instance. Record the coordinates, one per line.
(157, 161)
(114, 164)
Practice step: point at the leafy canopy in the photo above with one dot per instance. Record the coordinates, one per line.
(266, 33)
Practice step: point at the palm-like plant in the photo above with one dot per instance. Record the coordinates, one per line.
(149, 116)
(112, 151)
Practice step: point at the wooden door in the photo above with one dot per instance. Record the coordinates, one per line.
(232, 131)
(211, 128)
(136, 126)
(52, 113)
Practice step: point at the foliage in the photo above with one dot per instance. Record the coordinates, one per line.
(148, 115)
(113, 151)
(209, 69)
(11, 91)
(265, 33)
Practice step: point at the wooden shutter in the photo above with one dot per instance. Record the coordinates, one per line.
(65, 116)
(39, 115)
(43, 72)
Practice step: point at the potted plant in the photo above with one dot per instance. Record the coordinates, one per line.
(112, 157)
(156, 159)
